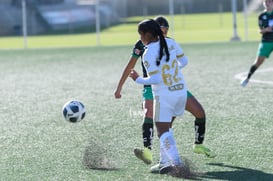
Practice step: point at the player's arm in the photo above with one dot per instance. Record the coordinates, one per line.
(131, 64)
(153, 78)
(152, 69)
(137, 52)
(266, 30)
(181, 57)
(182, 60)
(262, 27)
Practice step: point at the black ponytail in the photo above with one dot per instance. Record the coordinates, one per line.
(153, 27)
(163, 46)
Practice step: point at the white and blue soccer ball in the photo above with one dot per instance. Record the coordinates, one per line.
(73, 111)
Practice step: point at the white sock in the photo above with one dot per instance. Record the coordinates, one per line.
(163, 157)
(171, 131)
(168, 144)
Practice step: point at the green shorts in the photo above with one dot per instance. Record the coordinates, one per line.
(189, 94)
(148, 94)
(265, 49)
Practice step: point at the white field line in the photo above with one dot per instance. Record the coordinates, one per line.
(242, 75)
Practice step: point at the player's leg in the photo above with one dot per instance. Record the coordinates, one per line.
(165, 110)
(259, 60)
(169, 155)
(168, 149)
(164, 160)
(145, 154)
(264, 50)
(196, 109)
(147, 126)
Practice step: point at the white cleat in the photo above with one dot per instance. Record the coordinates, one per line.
(244, 82)
(156, 168)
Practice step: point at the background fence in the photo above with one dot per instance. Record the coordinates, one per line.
(47, 17)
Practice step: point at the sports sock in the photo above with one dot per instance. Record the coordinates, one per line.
(168, 144)
(163, 157)
(253, 68)
(147, 132)
(200, 128)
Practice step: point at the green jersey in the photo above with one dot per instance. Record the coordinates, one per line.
(266, 20)
(138, 52)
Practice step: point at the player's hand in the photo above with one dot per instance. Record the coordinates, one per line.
(117, 94)
(133, 74)
(266, 30)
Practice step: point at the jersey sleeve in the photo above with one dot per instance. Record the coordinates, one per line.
(260, 21)
(149, 62)
(181, 57)
(152, 79)
(138, 49)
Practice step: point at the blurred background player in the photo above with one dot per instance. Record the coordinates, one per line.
(192, 105)
(266, 45)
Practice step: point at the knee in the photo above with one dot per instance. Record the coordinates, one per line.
(148, 113)
(201, 113)
(198, 112)
(148, 108)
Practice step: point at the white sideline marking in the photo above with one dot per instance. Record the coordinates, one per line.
(242, 75)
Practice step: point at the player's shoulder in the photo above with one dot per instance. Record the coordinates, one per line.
(169, 38)
(262, 14)
(139, 44)
(170, 41)
(138, 49)
(152, 48)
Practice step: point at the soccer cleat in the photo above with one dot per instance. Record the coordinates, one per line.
(156, 168)
(173, 170)
(167, 169)
(244, 82)
(144, 154)
(201, 149)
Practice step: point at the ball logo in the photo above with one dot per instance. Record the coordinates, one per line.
(73, 111)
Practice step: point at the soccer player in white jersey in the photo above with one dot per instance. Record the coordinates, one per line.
(193, 105)
(168, 86)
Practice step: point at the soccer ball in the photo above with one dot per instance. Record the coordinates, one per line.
(73, 111)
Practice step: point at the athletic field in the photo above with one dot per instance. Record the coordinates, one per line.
(36, 143)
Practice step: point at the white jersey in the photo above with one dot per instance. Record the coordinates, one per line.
(182, 59)
(171, 77)
(168, 85)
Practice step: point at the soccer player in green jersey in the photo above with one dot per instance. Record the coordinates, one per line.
(266, 45)
(192, 105)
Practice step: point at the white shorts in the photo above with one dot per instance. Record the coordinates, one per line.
(166, 107)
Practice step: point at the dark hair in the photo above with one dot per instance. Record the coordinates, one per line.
(151, 26)
(162, 21)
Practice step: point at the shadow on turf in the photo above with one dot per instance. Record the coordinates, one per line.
(238, 174)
